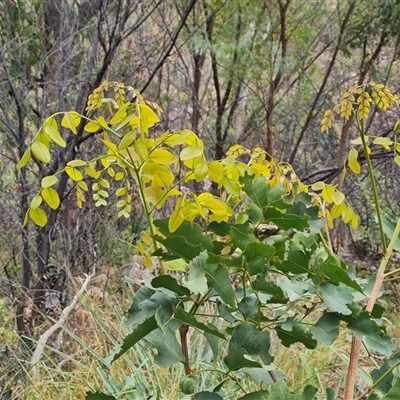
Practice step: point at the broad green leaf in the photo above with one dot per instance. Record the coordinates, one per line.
(297, 261)
(207, 396)
(186, 318)
(280, 391)
(363, 325)
(186, 242)
(71, 120)
(393, 393)
(170, 283)
(48, 181)
(74, 173)
(256, 343)
(299, 333)
(26, 157)
(236, 359)
(135, 313)
(40, 151)
(140, 332)
(284, 220)
(50, 196)
(52, 130)
(98, 396)
(36, 202)
(38, 216)
(326, 330)
(168, 349)
(195, 279)
(221, 283)
(248, 306)
(264, 195)
(258, 255)
(336, 298)
(292, 288)
(262, 376)
(331, 267)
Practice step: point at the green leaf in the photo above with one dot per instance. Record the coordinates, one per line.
(40, 151)
(170, 283)
(330, 265)
(247, 336)
(38, 216)
(207, 396)
(168, 348)
(187, 242)
(261, 285)
(187, 319)
(48, 181)
(50, 196)
(261, 376)
(393, 393)
(141, 331)
(98, 396)
(135, 314)
(257, 256)
(159, 300)
(284, 220)
(363, 325)
(248, 306)
(297, 261)
(297, 333)
(220, 281)
(236, 359)
(26, 157)
(195, 279)
(262, 194)
(326, 330)
(336, 298)
(240, 236)
(280, 391)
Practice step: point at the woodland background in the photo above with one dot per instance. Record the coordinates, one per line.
(251, 72)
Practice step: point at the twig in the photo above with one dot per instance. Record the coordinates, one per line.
(38, 353)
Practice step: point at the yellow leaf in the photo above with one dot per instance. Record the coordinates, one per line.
(50, 196)
(327, 193)
(119, 176)
(74, 173)
(176, 265)
(71, 120)
(50, 127)
(337, 210)
(127, 140)
(76, 163)
(338, 197)
(141, 148)
(92, 127)
(353, 162)
(318, 186)
(120, 114)
(159, 174)
(201, 171)
(199, 207)
(36, 202)
(92, 172)
(176, 219)
(215, 171)
(49, 181)
(41, 152)
(232, 186)
(162, 156)
(347, 215)
(189, 153)
(147, 117)
(354, 221)
(24, 159)
(111, 172)
(147, 261)
(83, 185)
(38, 216)
(110, 145)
